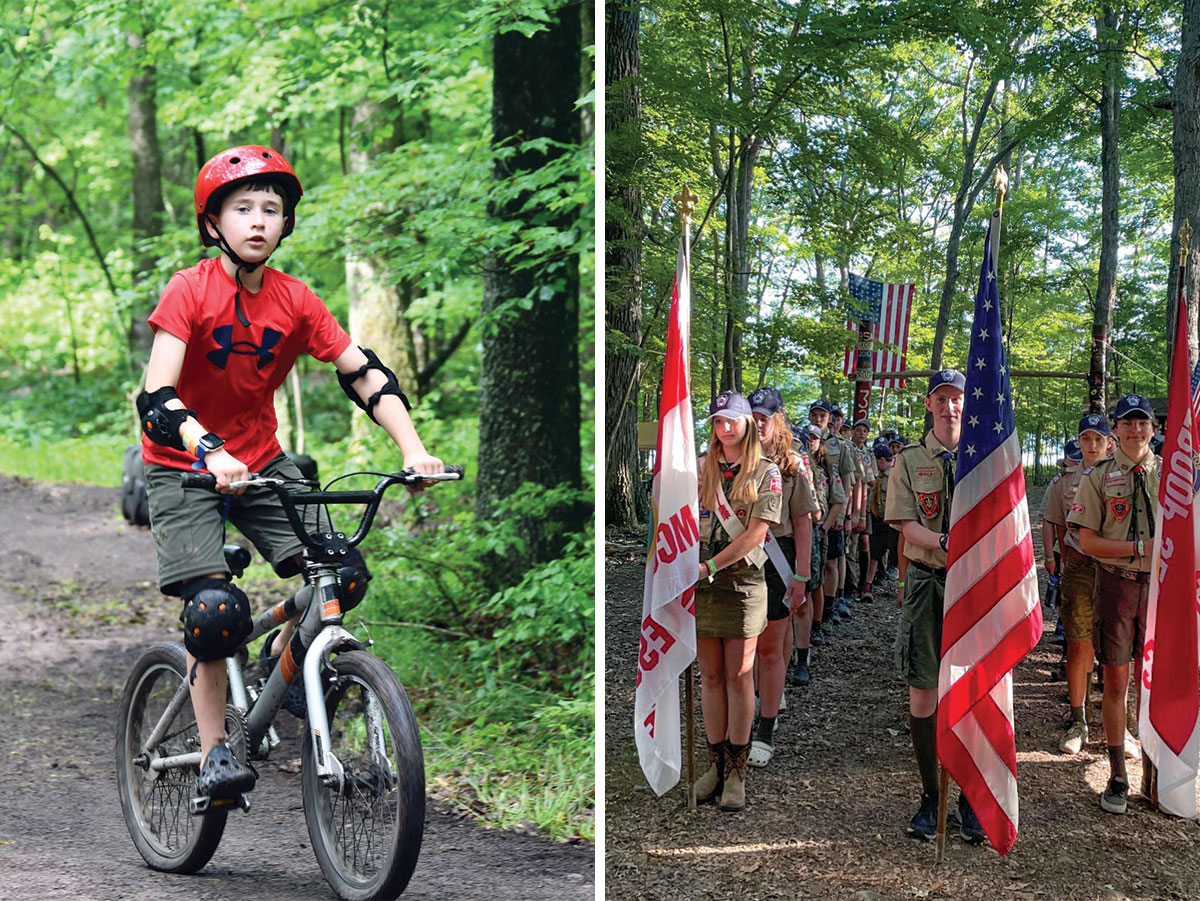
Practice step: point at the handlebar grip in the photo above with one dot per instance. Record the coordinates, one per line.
(198, 480)
(454, 469)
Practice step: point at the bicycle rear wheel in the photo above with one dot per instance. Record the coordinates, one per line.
(155, 805)
(367, 831)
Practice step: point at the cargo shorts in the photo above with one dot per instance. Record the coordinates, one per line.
(188, 525)
(1076, 586)
(919, 637)
(1120, 618)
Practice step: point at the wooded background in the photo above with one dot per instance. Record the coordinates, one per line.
(447, 154)
(825, 138)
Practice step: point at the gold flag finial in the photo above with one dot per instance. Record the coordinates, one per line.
(1185, 242)
(1000, 184)
(686, 202)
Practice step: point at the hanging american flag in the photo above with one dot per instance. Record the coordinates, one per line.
(992, 617)
(1169, 715)
(668, 630)
(887, 307)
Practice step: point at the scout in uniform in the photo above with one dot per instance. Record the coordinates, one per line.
(785, 595)
(821, 414)
(740, 497)
(918, 504)
(1113, 513)
(877, 537)
(1076, 574)
(831, 498)
(857, 585)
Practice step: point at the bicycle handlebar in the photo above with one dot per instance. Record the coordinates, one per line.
(292, 499)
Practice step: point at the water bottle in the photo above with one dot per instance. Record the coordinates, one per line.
(1052, 592)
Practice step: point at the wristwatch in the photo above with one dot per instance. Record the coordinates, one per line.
(210, 441)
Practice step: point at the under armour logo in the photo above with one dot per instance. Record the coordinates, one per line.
(223, 336)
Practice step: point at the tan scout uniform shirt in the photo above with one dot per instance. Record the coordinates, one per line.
(866, 462)
(1106, 502)
(1057, 504)
(841, 455)
(799, 501)
(920, 493)
(878, 495)
(769, 506)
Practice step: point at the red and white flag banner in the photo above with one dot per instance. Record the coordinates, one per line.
(1168, 721)
(668, 631)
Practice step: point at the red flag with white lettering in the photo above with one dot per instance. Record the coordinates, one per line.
(668, 632)
(1168, 717)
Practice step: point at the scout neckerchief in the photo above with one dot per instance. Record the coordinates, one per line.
(1139, 484)
(733, 528)
(948, 458)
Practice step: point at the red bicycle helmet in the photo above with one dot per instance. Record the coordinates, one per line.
(240, 164)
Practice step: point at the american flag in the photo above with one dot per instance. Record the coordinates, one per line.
(888, 307)
(992, 618)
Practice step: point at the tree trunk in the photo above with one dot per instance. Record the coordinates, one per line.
(1107, 30)
(1185, 103)
(148, 206)
(377, 309)
(624, 501)
(529, 416)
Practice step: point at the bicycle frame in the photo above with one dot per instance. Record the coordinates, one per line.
(320, 631)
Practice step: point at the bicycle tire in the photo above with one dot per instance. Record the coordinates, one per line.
(366, 833)
(156, 806)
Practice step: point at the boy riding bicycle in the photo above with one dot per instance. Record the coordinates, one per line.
(227, 331)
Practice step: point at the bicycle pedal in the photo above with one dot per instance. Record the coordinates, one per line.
(203, 804)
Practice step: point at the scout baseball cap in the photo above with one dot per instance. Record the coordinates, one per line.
(1072, 451)
(1133, 405)
(951, 377)
(882, 451)
(807, 432)
(861, 421)
(837, 411)
(729, 404)
(821, 405)
(767, 401)
(1095, 422)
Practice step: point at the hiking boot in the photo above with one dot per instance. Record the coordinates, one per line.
(709, 785)
(923, 825)
(834, 618)
(1076, 738)
(733, 794)
(799, 675)
(842, 608)
(817, 638)
(1114, 799)
(223, 776)
(972, 833)
(893, 574)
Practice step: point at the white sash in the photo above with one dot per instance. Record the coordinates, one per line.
(733, 527)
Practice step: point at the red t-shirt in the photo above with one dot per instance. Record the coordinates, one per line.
(230, 373)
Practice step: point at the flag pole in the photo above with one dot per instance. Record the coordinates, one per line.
(1000, 186)
(687, 203)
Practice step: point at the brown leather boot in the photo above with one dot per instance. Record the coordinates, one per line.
(710, 784)
(733, 795)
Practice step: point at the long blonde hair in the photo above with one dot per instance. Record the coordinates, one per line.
(744, 487)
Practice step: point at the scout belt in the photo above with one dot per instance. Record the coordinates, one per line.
(1130, 575)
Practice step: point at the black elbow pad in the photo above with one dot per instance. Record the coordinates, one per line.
(160, 424)
(347, 380)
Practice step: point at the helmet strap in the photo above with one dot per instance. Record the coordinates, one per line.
(237, 275)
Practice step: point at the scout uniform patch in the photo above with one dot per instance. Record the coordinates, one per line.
(1120, 507)
(930, 504)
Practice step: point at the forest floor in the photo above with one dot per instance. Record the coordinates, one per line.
(78, 600)
(826, 818)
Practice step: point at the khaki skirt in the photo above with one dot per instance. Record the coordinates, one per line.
(733, 604)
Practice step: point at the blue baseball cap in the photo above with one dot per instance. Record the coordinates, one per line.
(767, 401)
(807, 432)
(1095, 422)
(951, 377)
(837, 411)
(882, 451)
(821, 405)
(729, 404)
(1133, 405)
(1072, 451)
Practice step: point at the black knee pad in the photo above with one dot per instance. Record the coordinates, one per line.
(353, 577)
(216, 618)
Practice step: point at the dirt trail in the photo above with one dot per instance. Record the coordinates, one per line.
(826, 818)
(65, 556)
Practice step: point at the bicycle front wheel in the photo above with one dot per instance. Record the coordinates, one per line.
(156, 804)
(366, 832)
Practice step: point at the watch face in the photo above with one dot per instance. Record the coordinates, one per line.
(211, 442)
